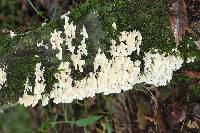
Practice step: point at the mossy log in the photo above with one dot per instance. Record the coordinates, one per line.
(149, 17)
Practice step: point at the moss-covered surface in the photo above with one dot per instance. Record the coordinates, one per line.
(148, 17)
(193, 94)
(18, 55)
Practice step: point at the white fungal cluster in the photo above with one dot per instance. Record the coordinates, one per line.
(39, 82)
(41, 44)
(76, 58)
(39, 88)
(26, 100)
(70, 31)
(63, 91)
(117, 74)
(2, 77)
(12, 34)
(77, 61)
(82, 48)
(114, 26)
(129, 42)
(109, 75)
(159, 68)
(56, 41)
(191, 59)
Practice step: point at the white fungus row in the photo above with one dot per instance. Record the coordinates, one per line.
(76, 58)
(109, 75)
(69, 30)
(56, 41)
(159, 68)
(2, 76)
(39, 88)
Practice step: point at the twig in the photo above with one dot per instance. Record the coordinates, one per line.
(38, 12)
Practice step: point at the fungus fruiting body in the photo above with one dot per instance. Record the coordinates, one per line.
(12, 34)
(37, 91)
(2, 76)
(113, 75)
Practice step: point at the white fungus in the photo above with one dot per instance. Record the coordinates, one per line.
(62, 90)
(44, 23)
(40, 44)
(39, 88)
(45, 100)
(2, 76)
(77, 61)
(56, 41)
(158, 69)
(28, 87)
(129, 42)
(113, 75)
(117, 74)
(26, 100)
(69, 30)
(39, 79)
(190, 59)
(65, 15)
(114, 26)
(12, 34)
(82, 48)
(76, 58)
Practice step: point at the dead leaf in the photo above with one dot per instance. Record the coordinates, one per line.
(196, 112)
(192, 74)
(151, 119)
(141, 117)
(144, 110)
(178, 19)
(126, 110)
(192, 124)
(90, 102)
(193, 10)
(160, 120)
(178, 114)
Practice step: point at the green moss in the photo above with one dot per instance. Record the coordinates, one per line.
(18, 54)
(189, 49)
(17, 71)
(77, 13)
(49, 77)
(194, 94)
